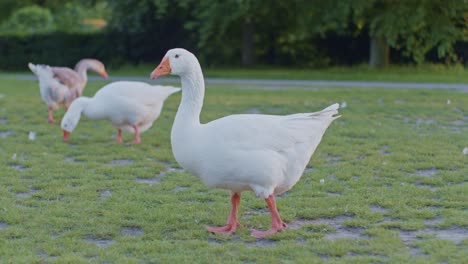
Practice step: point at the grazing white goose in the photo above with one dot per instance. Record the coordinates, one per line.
(263, 153)
(61, 85)
(130, 106)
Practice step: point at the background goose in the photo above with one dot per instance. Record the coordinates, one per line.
(266, 154)
(61, 85)
(130, 106)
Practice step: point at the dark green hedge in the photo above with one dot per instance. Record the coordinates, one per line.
(113, 49)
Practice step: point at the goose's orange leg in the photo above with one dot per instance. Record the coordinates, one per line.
(232, 222)
(137, 135)
(119, 135)
(276, 223)
(50, 118)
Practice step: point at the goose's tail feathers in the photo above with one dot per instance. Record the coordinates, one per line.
(32, 67)
(331, 111)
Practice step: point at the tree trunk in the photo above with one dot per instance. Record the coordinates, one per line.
(379, 53)
(248, 30)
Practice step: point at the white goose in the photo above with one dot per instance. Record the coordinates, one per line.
(61, 85)
(130, 106)
(263, 153)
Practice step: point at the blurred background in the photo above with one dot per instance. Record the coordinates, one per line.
(235, 33)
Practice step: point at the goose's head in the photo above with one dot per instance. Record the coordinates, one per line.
(69, 123)
(95, 66)
(176, 61)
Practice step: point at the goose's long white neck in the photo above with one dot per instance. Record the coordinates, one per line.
(193, 92)
(82, 105)
(81, 68)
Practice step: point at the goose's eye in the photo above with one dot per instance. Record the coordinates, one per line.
(176, 56)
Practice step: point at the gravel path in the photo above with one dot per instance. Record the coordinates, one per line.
(282, 84)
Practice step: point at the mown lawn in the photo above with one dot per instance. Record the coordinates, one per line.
(388, 184)
(428, 73)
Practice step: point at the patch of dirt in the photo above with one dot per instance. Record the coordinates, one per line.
(18, 167)
(157, 179)
(408, 236)
(388, 219)
(27, 194)
(3, 120)
(150, 181)
(333, 159)
(3, 225)
(43, 254)
(415, 251)
(83, 135)
(254, 111)
(349, 233)
(454, 234)
(336, 223)
(384, 150)
(275, 109)
(360, 157)
(179, 189)
(166, 163)
(69, 159)
(333, 194)
(430, 187)
(458, 122)
(213, 241)
(251, 213)
(104, 194)
(120, 162)
(309, 169)
(132, 231)
(425, 172)
(5, 134)
(301, 240)
(100, 242)
(262, 243)
(378, 209)
(454, 129)
(333, 222)
(323, 256)
(434, 221)
(434, 207)
(425, 121)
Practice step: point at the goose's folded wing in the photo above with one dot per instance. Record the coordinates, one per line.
(267, 132)
(66, 76)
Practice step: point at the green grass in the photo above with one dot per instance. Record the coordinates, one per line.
(393, 170)
(436, 73)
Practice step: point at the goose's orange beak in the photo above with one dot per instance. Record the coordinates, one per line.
(66, 135)
(104, 74)
(164, 68)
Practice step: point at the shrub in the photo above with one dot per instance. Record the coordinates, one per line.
(29, 20)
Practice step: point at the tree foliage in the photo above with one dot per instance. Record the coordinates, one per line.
(415, 27)
(64, 16)
(29, 20)
(275, 31)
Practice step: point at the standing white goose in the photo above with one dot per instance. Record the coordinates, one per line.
(130, 106)
(61, 85)
(263, 153)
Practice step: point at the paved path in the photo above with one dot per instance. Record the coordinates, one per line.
(282, 84)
